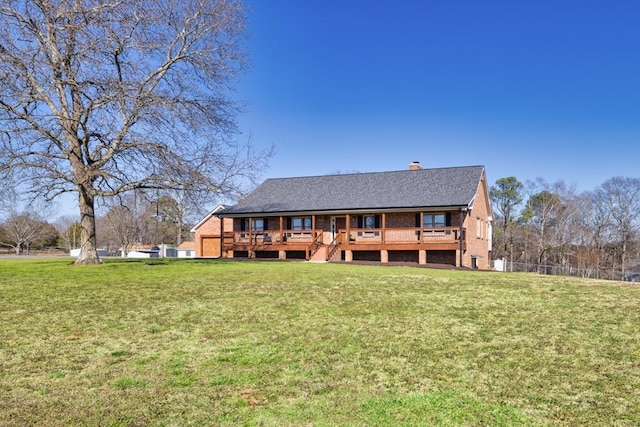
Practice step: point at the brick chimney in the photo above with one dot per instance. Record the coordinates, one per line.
(415, 166)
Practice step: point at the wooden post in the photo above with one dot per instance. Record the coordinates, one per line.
(313, 227)
(348, 239)
(384, 228)
(250, 237)
(221, 237)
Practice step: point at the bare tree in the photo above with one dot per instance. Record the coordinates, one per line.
(69, 230)
(180, 207)
(21, 229)
(548, 213)
(8, 195)
(167, 215)
(101, 98)
(126, 221)
(621, 197)
(595, 232)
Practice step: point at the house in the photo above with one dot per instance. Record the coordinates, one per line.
(417, 215)
(187, 250)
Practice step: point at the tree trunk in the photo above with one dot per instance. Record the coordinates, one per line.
(179, 234)
(88, 253)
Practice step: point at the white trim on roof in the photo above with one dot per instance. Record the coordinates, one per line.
(207, 216)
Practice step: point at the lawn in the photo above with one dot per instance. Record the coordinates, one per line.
(177, 343)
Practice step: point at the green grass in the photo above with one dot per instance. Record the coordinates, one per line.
(178, 343)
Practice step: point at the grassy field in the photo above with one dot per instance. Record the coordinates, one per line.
(132, 343)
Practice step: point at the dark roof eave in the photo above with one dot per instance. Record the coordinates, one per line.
(344, 211)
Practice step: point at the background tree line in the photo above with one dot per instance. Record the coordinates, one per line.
(546, 227)
(137, 218)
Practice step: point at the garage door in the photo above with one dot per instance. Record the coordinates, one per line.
(211, 247)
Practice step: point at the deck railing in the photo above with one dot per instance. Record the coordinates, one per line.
(403, 235)
(357, 236)
(275, 237)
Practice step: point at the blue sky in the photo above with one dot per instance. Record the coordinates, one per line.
(530, 89)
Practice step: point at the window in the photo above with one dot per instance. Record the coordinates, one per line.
(478, 228)
(435, 220)
(258, 224)
(301, 223)
(369, 221)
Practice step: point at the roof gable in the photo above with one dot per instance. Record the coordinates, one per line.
(442, 187)
(206, 217)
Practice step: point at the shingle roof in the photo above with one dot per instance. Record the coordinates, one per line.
(187, 245)
(442, 187)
